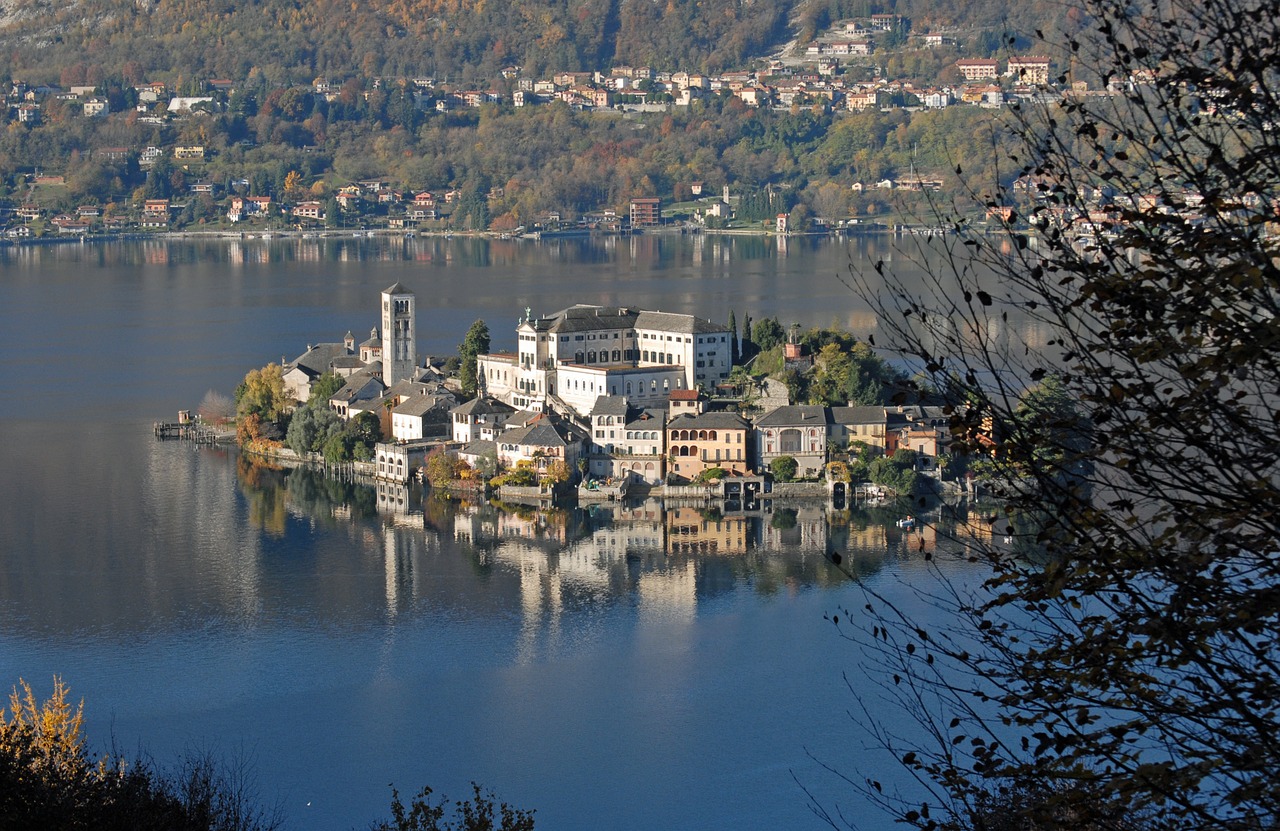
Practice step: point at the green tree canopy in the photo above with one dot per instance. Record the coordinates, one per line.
(476, 342)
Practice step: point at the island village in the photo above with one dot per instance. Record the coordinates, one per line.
(599, 402)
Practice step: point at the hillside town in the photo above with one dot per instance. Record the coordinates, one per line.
(609, 398)
(838, 72)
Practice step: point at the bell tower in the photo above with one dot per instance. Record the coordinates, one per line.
(399, 335)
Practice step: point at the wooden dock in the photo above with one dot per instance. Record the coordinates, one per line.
(189, 431)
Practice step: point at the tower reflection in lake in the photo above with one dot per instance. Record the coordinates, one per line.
(665, 557)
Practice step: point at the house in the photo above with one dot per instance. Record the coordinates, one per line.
(539, 444)
(798, 431)
(977, 69)
(28, 113)
(859, 425)
(156, 208)
(189, 153)
(479, 419)
(307, 210)
(96, 107)
(184, 104)
(1032, 69)
(362, 392)
(698, 442)
(425, 414)
(646, 211)
(625, 443)
(148, 156)
(869, 99)
(936, 99)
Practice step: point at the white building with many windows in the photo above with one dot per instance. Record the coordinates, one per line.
(582, 352)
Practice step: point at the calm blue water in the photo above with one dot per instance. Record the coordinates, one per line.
(577, 665)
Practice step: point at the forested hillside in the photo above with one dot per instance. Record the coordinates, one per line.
(470, 41)
(462, 40)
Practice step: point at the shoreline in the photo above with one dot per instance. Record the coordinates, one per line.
(384, 233)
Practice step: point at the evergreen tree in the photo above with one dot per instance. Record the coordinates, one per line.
(475, 343)
(733, 340)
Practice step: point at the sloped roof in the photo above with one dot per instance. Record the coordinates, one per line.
(615, 405)
(419, 405)
(647, 420)
(794, 415)
(396, 288)
(708, 421)
(482, 406)
(858, 415)
(362, 386)
(318, 357)
(684, 324)
(538, 434)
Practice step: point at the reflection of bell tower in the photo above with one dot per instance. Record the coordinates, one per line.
(399, 335)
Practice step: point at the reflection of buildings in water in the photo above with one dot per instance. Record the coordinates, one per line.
(310, 251)
(230, 554)
(921, 540)
(484, 525)
(873, 537)
(549, 526)
(701, 531)
(669, 595)
(395, 503)
(155, 253)
(791, 526)
(401, 547)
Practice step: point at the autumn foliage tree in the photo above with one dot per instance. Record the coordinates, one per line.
(49, 779)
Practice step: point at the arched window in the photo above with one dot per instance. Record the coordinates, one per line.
(628, 388)
(617, 356)
(712, 435)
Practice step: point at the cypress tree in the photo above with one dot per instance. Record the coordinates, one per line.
(733, 340)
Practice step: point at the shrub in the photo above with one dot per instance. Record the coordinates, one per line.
(784, 468)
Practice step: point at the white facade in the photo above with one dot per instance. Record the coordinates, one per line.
(580, 386)
(586, 351)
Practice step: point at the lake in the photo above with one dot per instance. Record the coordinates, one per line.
(629, 667)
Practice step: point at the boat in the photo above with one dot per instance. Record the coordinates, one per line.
(907, 522)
